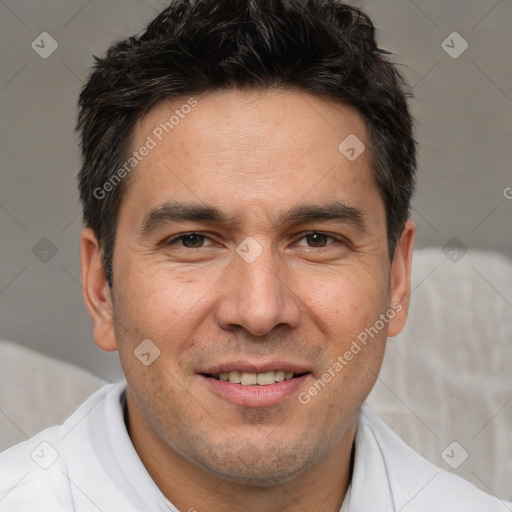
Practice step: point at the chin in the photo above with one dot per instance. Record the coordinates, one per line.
(261, 478)
(264, 468)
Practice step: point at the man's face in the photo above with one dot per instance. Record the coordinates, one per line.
(266, 288)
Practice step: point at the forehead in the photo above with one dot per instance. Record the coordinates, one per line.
(267, 149)
(279, 119)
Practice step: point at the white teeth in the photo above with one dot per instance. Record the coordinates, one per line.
(264, 379)
(251, 378)
(279, 375)
(235, 377)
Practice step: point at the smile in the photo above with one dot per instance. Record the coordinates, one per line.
(254, 379)
(251, 389)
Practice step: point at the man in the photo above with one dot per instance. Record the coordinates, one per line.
(247, 173)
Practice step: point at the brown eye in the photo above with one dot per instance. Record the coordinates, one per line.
(193, 240)
(188, 240)
(317, 240)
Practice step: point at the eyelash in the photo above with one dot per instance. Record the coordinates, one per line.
(181, 237)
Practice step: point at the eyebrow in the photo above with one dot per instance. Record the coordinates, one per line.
(175, 211)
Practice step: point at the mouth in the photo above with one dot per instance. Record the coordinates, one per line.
(255, 386)
(254, 379)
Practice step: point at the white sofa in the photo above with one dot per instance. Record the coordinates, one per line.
(447, 378)
(37, 391)
(445, 387)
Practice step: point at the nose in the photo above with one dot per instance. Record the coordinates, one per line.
(257, 297)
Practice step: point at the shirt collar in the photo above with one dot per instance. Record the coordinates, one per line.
(370, 488)
(126, 455)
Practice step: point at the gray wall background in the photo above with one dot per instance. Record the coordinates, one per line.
(463, 108)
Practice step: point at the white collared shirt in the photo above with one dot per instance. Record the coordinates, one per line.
(90, 464)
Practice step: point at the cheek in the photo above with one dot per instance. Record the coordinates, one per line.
(346, 303)
(154, 310)
(162, 299)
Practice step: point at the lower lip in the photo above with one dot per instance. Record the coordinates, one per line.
(254, 395)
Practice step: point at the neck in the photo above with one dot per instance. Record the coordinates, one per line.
(321, 488)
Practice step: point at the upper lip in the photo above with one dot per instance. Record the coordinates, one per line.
(263, 367)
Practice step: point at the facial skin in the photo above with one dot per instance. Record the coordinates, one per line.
(253, 155)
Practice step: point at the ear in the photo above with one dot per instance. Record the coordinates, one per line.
(96, 292)
(401, 278)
